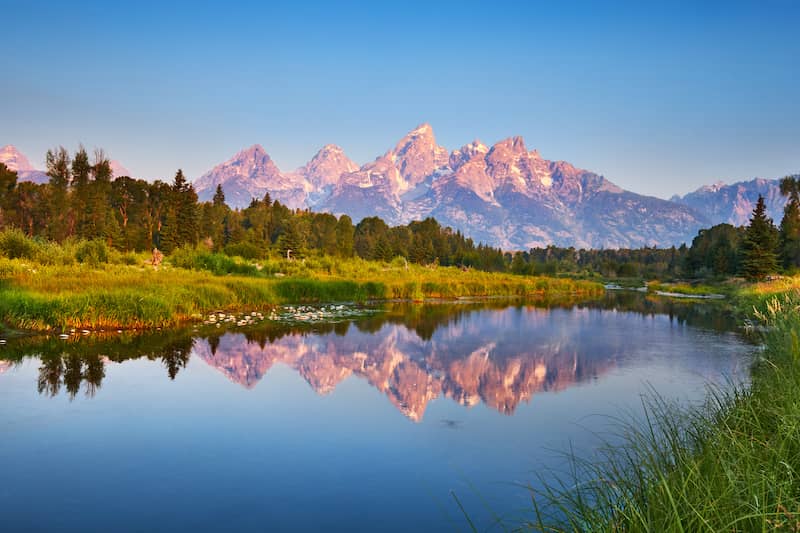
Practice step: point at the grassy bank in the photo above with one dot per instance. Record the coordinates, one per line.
(733, 465)
(37, 296)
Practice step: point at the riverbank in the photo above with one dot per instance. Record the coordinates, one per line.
(42, 297)
(733, 465)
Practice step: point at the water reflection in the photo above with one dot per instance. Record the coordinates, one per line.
(70, 364)
(500, 358)
(472, 353)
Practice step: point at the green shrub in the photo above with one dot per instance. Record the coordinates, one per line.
(125, 258)
(245, 250)
(219, 264)
(92, 252)
(50, 253)
(16, 245)
(399, 262)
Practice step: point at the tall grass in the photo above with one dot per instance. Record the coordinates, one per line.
(42, 288)
(733, 465)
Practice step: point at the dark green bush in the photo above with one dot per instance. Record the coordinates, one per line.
(244, 250)
(217, 264)
(92, 252)
(16, 245)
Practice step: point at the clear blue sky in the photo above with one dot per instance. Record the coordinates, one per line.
(660, 97)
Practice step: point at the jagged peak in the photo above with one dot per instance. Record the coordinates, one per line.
(255, 149)
(714, 187)
(327, 166)
(251, 153)
(14, 159)
(330, 148)
(422, 134)
(331, 153)
(514, 144)
(468, 152)
(477, 146)
(253, 160)
(328, 151)
(118, 170)
(422, 129)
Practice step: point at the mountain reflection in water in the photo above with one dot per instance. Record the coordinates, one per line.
(472, 353)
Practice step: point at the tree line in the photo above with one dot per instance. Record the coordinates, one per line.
(755, 251)
(82, 200)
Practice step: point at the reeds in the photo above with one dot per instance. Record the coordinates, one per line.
(111, 290)
(732, 465)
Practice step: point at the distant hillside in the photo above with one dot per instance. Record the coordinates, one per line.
(734, 203)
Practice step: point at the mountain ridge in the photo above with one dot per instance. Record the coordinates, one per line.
(504, 195)
(734, 203)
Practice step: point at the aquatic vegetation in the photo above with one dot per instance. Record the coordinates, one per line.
(732, 465)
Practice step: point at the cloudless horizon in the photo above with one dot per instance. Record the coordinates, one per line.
(660, 99)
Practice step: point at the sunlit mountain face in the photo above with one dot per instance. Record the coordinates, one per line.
(504, 195)
(472, 354)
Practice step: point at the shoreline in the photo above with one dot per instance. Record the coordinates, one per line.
(37, 298)
(719, 467)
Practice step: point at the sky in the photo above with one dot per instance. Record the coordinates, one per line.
(659, 97)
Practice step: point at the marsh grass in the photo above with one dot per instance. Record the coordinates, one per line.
(685, 288)
(730, 465)
(109, 290)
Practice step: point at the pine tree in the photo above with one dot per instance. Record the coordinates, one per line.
(184, 204)
(219, 196)
(344, 236)
(323, 233)
(790, 224)
(8, 184)
(98, 200)
(81, 169)
(758, 248)
(58, 169)
(292, 244)
(168, 235)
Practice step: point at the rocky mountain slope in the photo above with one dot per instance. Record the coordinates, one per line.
(16, 160)
(503, 195)
(734, 203)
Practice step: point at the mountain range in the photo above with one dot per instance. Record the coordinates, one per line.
(504, 195)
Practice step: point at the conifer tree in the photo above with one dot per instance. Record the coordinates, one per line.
(790, 224)
(292, 243)
(58, 169)
(344, 236)
(758, 248)
(98, 215)
(81, 169)
(168, 235)
(219, 196)
(184, 206)
(8, 184)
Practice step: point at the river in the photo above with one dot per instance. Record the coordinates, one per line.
(370, 423)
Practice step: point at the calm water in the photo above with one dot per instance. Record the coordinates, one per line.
(365, 425)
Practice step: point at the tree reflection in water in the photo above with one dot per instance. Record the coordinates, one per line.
(411, 352)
